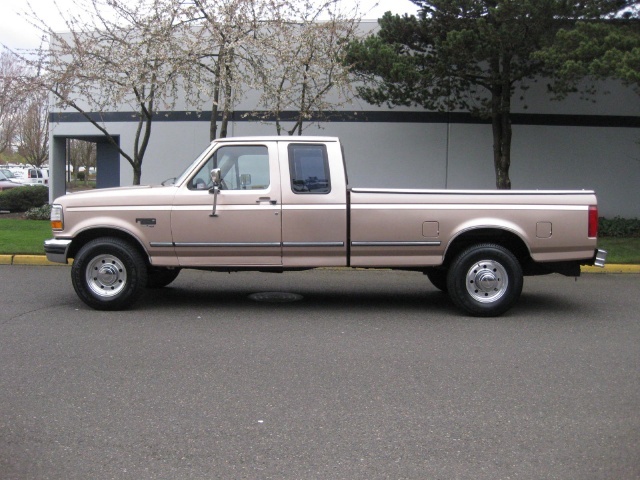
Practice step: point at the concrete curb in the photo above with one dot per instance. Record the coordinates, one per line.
(41, 260)
(612, 269)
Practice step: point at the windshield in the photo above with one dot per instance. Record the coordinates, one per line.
(3, 176)
(183, 175)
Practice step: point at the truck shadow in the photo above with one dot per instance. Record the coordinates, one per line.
(538, 303)
(428, 301)
(179, 297)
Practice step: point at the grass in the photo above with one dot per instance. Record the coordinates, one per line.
(621, 250)
(27, 237)
(23, 236)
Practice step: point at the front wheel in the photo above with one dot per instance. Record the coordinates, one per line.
(108, 274)
(485, 280)
(438, 278)
(161, 277)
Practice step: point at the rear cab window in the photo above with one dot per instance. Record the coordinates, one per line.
(309, 169)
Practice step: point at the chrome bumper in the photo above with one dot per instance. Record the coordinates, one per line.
(56, 250)
(600, 258)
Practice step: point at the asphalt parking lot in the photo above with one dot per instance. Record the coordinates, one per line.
(362, 375)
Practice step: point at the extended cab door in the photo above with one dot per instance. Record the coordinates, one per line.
(246, 229)
(314, 194)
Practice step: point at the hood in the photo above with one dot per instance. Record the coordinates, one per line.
(121, 196)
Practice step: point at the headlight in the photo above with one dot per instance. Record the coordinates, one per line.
(57, 218)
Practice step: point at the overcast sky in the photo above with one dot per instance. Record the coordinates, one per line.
(15, 31)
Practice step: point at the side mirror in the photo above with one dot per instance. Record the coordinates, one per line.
(215, 177)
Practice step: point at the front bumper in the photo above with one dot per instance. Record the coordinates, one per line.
(56, 250)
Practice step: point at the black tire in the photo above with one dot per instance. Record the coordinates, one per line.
(438, 278)
(485, 280)
(109, 274)
(161, 277)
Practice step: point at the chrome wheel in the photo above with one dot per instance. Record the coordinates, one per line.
(487, 281)
(109, 273)
(106, 276)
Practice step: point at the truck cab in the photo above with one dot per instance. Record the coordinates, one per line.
(277, 203)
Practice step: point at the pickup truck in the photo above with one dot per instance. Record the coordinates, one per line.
(283, 203)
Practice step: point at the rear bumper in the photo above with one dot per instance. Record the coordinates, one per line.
(569, 268)
(56, 250)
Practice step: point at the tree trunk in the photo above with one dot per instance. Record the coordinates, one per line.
(137, 174)
(140, 144)
(213, 124)
(228, 92)
(502, 149)
(501, 126)
(226, 112)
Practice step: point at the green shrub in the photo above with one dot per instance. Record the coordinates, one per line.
(23, 198)
(619, 227)
(39, 213)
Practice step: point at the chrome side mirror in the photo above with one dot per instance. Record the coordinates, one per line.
(215, 178)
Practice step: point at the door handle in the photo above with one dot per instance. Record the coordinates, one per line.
(266, 199)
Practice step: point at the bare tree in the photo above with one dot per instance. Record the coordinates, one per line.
(300, 68)
(33, 129)
(11, 71)
(82, 155)
(224, 40)
(277, 48)
(117, 54)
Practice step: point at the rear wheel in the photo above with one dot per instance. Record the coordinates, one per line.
(485, 280)
(109, 274)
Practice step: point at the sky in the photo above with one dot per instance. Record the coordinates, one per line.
(16, 33)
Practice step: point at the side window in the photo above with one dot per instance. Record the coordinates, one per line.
(309, 169)
(242, 167)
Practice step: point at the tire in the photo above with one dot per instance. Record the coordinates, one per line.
(485, 280)
(438, 278)
(161, 277)
(109, 274)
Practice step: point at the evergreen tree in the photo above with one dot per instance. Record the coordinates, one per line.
(465, 54)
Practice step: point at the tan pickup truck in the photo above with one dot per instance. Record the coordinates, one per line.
(283, 203)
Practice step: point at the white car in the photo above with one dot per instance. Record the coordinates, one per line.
(17, 172)
(35, 176)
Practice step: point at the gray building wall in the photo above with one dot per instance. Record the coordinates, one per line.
(415, 155)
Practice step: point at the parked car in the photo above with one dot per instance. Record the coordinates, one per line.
(35, 176)
(18, 172)
(7, 183)
(8, 173)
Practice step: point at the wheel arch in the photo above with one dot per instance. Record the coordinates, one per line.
(504, 237)
(85, 236)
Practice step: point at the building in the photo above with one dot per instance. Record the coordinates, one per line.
(571, 144)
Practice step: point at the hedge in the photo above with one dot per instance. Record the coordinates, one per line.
(619, 227)
(24, 198)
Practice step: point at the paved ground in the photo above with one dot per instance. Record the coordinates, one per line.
(371, 375)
